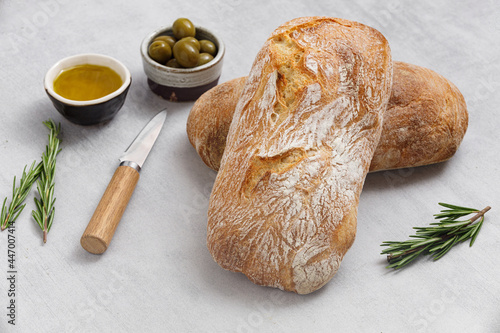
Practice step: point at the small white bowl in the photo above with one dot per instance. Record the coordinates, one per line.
(182, 84)
(94, 111)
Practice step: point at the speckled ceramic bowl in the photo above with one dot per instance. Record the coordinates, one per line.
(182, 84)
(94, 111)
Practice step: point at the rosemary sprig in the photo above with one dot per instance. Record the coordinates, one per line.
(11, 212)
(44, 214)
(438, 238)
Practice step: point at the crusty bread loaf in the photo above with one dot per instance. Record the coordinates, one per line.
(284, 204)
(209, 120)
(425, 121)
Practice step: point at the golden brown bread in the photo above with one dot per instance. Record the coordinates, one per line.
(210, 118)
(425, 121)
(284, 204)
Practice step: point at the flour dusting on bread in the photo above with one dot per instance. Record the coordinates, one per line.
(284, 204)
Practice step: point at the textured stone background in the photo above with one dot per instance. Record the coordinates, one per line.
(158, 276)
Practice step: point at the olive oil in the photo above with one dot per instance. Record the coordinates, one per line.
(86, 82)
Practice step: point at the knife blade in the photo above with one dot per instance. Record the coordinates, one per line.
(102, 226)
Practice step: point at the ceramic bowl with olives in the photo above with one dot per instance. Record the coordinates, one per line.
(182, 61)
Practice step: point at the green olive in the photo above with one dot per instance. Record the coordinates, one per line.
(169, 39)
(192, 40)
(160, 51)
(204, 58)
(173, 63)
(183, 27)
(207, 46)
(186, 53)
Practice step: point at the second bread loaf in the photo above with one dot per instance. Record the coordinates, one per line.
(425, 121)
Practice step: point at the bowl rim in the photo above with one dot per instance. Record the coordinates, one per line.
(221, 49)
(81, 59)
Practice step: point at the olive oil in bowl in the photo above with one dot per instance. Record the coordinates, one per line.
(88, 88)
(86, 82)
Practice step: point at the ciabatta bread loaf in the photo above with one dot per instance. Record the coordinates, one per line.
(425, 121)
(284, 204)
(209, 120)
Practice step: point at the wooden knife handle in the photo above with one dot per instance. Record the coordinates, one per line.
(108, 213)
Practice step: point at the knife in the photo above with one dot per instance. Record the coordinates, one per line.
(110, 209)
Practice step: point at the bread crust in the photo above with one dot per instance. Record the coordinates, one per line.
(284, 204)
(425, 121)
(209, 120)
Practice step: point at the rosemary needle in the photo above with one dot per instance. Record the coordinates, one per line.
(44, 213)
(438, 238)
(11, 212)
